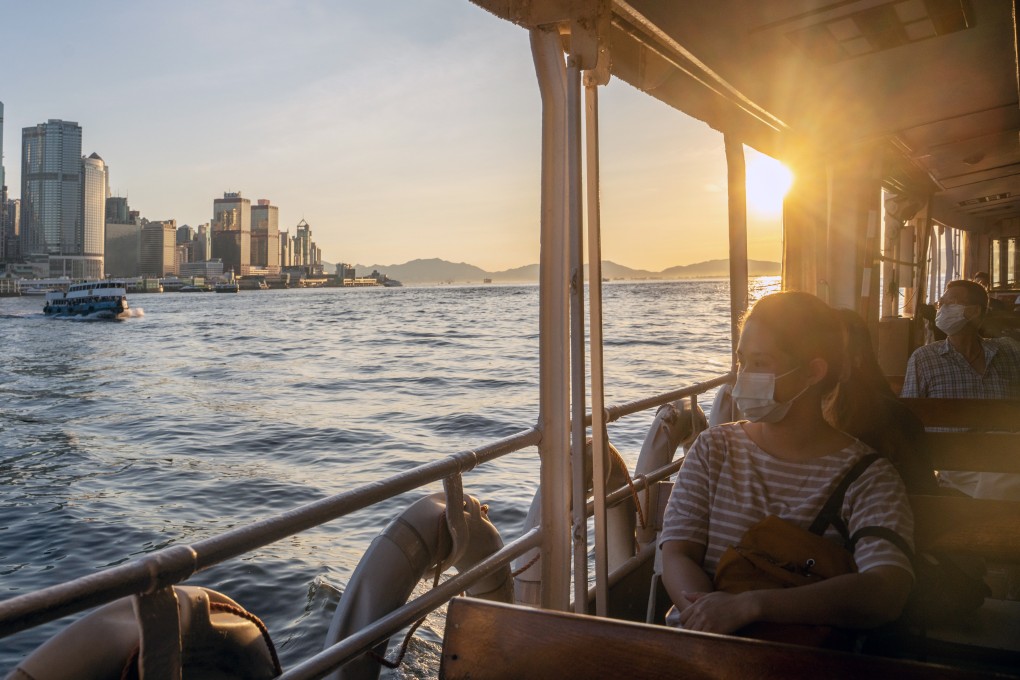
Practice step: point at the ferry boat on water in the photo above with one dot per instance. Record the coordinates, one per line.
(104, 299)
(901, 122)
(227, 287)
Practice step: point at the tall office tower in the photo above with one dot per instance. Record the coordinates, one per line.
(302, 244)
(3, 222)
(231, 232)
(203, 243)
(117, 210)
(94, 182)
(3, 176)
(10, 228)
(158, 249)
(286, 250)
(265, 236)
(123, 241)
(3, 190)
(185, 234)
(51, 200)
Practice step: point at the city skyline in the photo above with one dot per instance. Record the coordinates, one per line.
(404, 131)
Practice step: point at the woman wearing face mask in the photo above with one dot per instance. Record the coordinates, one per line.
(784, 460)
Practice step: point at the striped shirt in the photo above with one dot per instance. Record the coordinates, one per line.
(727, 484)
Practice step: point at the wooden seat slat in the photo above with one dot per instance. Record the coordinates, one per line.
(978, 414)
(974, 451)
(967, 526)
(491, 641)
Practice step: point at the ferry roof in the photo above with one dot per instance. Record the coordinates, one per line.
(932, 82)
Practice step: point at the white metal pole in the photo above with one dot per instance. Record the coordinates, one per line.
(554, 314)
(598, 400)
(737, 193)
(578, 402)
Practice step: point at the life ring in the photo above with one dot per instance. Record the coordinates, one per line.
(398, 558)
(219, 639)
(674, 425)
(620, 525)
(724, 408)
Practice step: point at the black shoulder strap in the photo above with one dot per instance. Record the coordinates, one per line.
(830, 511)
(886, 533)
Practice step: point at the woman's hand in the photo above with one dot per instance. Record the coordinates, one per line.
(718, 612)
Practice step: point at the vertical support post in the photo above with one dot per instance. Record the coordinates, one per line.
(737, 193)
(578, 402)
(598, 400)
(554, 313)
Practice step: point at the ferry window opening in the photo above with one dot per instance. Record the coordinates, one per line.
(1011, 261)
(996, 270)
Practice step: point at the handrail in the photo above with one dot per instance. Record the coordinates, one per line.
(374, 633)
(614, 413)
(175, 564)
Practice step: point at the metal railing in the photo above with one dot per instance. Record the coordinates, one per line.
(150, 577)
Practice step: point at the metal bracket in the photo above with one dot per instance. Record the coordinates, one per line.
(159, 623)
(584, 24)
(456, 522)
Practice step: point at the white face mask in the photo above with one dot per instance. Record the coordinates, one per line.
(951, 318)
(754, 394)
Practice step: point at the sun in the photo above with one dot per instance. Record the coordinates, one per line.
(768, 180)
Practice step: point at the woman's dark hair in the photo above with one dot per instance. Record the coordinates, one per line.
(805, 328)
(864, 406)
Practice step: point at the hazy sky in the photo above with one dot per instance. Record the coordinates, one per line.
(398, 129)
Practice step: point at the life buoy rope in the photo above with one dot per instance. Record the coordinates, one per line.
(395, 664)
(248, 616)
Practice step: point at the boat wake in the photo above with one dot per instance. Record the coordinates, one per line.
(132, 313)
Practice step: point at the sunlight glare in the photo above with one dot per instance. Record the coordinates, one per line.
(768, 180)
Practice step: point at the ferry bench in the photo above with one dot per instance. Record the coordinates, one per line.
(487, 640)
(972, 527)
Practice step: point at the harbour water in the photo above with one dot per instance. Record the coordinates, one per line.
(210, 411)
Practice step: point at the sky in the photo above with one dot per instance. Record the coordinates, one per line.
(398, 129)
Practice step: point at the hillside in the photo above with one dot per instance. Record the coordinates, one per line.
(436, 270)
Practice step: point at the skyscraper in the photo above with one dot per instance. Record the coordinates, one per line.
(3, 176)
(93, 216)
(231, 232)
(158, 249)
(51, 201)
(117, 210)
(265, 236)
(9, 230)
(3, 192)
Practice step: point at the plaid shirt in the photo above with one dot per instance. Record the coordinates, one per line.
(938, 371)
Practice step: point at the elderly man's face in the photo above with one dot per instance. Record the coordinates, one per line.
(955, 296)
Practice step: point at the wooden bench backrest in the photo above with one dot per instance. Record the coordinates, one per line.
(488, 641)
(967, 526)
(1001, 415)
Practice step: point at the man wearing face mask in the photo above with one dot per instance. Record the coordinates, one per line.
(967, 366)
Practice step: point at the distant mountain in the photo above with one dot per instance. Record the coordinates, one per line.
(441, 271)
(714, 268)
(428, 271)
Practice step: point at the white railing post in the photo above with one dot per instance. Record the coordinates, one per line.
(737, 193)
(554, 315)
(579, 406)
(598, 398)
